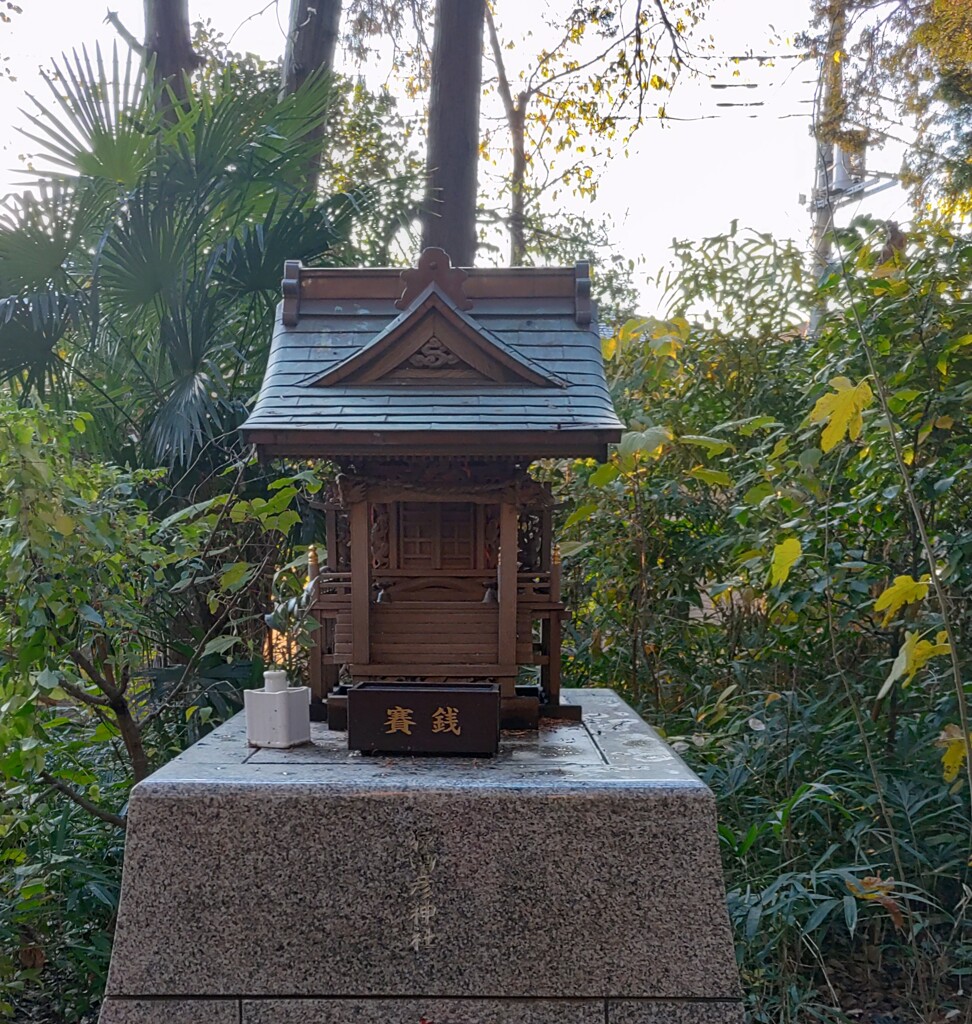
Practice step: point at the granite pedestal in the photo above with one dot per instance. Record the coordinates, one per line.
(572, 879)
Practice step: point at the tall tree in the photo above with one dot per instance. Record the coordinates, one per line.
(311, 42)
(168, 39)
(453, 144)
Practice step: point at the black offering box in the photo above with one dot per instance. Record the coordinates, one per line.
(424, 718)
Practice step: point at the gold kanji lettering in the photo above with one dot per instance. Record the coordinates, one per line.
(446, 720)
(399, 720)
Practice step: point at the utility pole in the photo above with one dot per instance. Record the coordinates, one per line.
(837, 181)
(832, 91)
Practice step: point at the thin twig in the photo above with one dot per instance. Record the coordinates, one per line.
(82, 801)
(112, 19)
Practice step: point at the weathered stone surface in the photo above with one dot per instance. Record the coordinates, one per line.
(411, 1011)
(581, 863)
(664, 1011)
(170, 1011)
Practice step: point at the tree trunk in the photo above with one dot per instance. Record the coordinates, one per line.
(168, 39)
(311, 42)
(515, 109)
(517, 186)
(452, 159)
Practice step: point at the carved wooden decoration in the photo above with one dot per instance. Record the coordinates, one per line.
(434, 267)
(433, 355)
(435, 338)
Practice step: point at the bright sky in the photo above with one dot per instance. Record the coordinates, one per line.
(687, 177)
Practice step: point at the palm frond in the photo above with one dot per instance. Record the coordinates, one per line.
(251, 261)
(101, 125)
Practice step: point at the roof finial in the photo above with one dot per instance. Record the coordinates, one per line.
(434, 267)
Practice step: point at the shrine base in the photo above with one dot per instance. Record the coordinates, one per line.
(572, 879)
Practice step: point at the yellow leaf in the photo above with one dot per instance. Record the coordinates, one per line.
(842, 410)
(924, 651)
(944, 423)
(904, 590)
(913, 655)
(956, 749)
(785, 555)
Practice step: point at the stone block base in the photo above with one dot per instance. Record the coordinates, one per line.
(413, 1011)
(574, 878)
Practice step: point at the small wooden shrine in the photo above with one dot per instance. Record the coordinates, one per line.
(432, 390)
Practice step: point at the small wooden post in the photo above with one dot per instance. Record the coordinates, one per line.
(314, 667)
(506, 586)
(360, 583)
(553, 633)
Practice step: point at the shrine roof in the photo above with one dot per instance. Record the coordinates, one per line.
(470, 361)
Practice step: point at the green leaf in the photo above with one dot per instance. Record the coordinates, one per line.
(220, 645)
(192, 510)
(48, 680)
(580, 515)
(234, 576)
(713, 477)
(603, 475)
(749, 427)
(850, 913)
(650, 440)
(90, 615)
(712, 445)
(785, 555)
(758, 493)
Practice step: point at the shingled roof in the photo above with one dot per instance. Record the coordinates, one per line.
(435, 360)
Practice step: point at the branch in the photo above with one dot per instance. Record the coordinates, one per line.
(112, 18)
(111, 692)
(669, 28)
(81, 695)
(82, 801)
(502, 79)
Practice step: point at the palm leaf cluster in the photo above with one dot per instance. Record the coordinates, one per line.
(138, 275)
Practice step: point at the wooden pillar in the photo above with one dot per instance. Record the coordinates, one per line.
(550, 673)
(360, 583)
(327, 634)
(506, 592)
(546, 540)
(315, 666)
